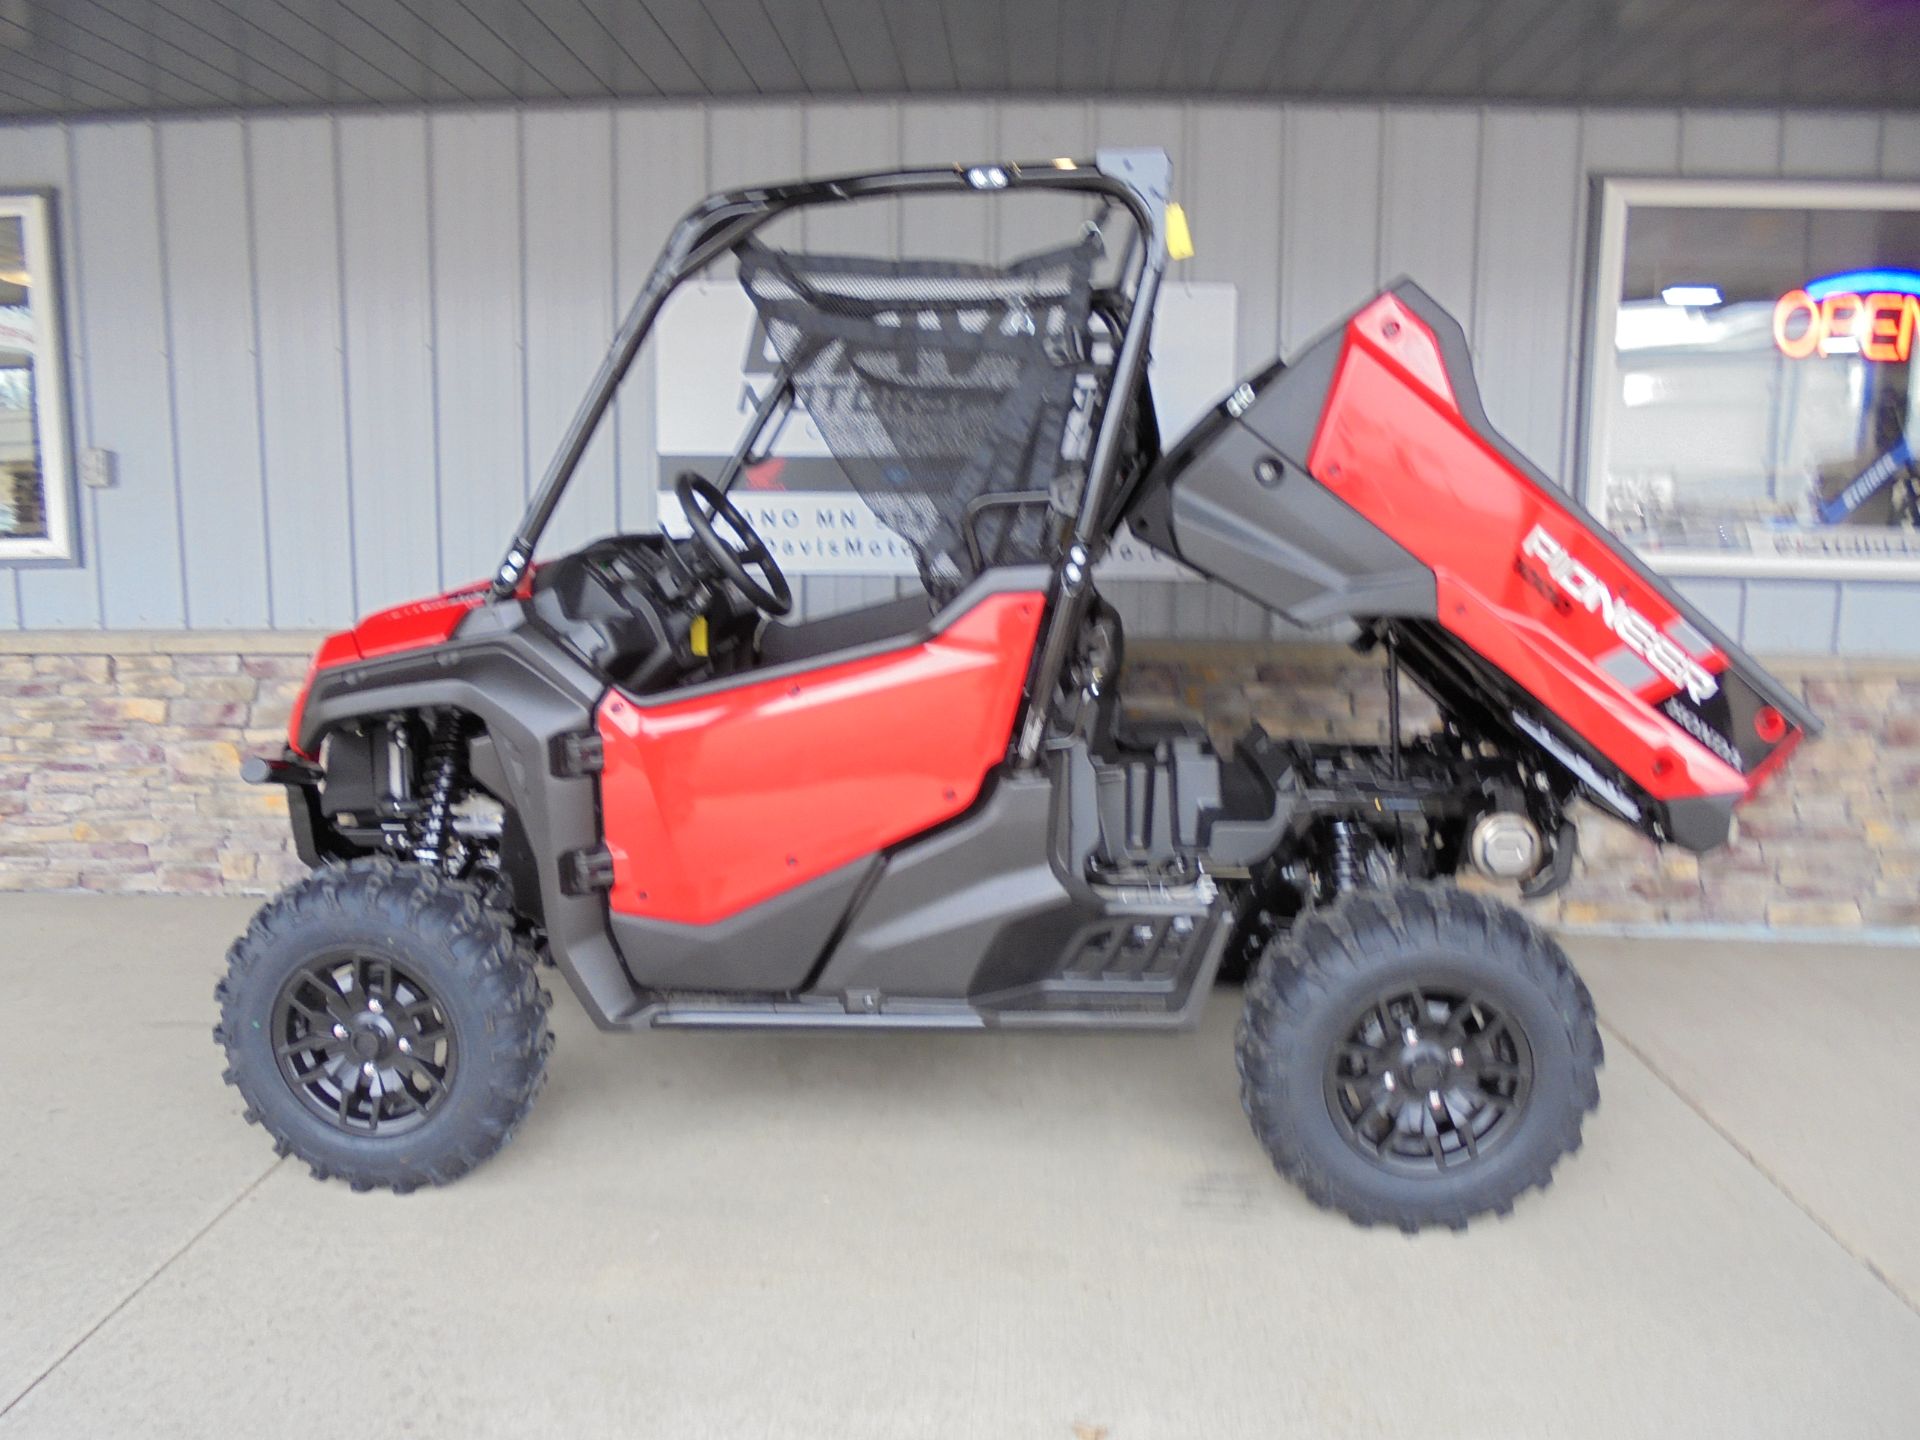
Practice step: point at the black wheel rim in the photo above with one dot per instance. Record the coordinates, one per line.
(363, 1044)
(1430, 1079)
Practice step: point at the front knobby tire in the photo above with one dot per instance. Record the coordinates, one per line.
(1417, 1055)
(384, 1025)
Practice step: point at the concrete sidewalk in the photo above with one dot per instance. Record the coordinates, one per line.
(906, 1236)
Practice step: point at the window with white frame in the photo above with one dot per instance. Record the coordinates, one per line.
(1753, 387)
(36, 520)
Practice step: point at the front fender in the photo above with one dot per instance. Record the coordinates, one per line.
(527, 693)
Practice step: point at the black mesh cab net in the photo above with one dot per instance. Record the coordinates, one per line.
(939, 386)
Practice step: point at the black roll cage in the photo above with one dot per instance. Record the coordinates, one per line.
(1137, 179)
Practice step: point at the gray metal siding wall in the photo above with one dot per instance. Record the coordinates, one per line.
(332, 352)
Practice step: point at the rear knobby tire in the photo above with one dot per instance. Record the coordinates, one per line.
(427, 938)
(1309, 1057)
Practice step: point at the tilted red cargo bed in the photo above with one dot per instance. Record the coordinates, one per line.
(1389, 495)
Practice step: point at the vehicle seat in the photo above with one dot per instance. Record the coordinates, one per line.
(783, 644)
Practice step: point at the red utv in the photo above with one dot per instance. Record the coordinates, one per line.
(932, 813)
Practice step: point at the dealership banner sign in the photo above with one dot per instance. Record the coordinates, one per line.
(714, 367)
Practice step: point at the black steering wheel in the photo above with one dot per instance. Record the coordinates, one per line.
(703, 504)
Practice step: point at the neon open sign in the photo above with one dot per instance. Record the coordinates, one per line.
(1869, 313)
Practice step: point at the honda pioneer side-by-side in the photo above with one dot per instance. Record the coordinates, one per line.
(629, 763)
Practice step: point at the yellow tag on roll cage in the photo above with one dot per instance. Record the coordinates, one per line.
(697, 636)
(1179, 237)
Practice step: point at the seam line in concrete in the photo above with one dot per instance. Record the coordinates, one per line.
(135, 1293)
(1865, 1261)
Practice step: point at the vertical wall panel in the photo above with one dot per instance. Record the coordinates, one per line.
(1523, 321)
(843, 138)
(570, 306)
(959, 227)
(478, 356)
(387, 272)
(1330, 217)
(1429, 194)
(1187, 606)
(1145, 606)
(1639, 142)
(1230, 615)
(303, 415)
(1830, 145)
(1029, 132)
(1720, 600)
(1900, 146)
(747, 144)
(1879, 618)
(1729, 142)
(1791, 616)
(660, 169)
(209, 280)
(1133, 125)
(1233, 201)
(138, 530)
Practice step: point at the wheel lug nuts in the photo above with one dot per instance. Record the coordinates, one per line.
(373, 1004)
(1388, 1080)
(1410, 1035)
(1458, 1058)
(339, 1032)
(406, 1047)
(368, 1069)
(1433, 1098)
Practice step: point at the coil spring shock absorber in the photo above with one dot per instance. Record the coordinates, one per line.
(1346, 857)
(443, 776)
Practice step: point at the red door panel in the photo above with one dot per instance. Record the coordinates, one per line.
(718, 802)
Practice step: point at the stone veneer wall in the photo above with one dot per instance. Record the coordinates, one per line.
(119, 757)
